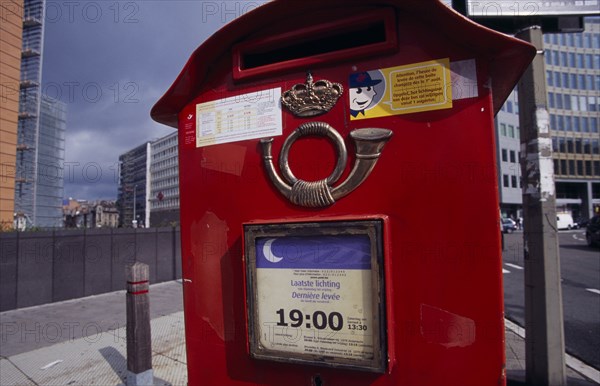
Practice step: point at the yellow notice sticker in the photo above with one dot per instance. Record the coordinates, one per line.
(398, 90)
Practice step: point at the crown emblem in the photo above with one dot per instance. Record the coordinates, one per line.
(312, 98)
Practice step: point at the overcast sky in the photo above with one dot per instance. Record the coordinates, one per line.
(110, 61)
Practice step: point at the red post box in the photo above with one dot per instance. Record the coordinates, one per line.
(339, 202)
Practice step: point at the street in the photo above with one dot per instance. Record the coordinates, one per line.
(580, 272)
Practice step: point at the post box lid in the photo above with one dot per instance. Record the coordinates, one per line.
(507, 56)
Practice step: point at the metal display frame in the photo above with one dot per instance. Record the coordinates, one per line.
(372, 228)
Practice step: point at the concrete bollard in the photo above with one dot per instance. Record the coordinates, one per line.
(139, 341)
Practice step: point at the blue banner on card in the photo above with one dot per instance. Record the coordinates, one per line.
(314, 252)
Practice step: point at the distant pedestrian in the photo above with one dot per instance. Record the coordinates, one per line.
(518, 223)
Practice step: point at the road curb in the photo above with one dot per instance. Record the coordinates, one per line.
(575, 364)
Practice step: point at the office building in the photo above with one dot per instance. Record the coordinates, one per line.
(11, 33)
(151, 173)
(508, 155)
(573, 86)
(164, 182)
(38, 184)
(572, 62)
(134, 188)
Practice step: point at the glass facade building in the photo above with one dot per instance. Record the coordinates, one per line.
(573, 87)
(572, 62)
(50, 163)
(134, 187)
(40, 132)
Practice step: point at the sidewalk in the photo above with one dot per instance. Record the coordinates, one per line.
(82, 342)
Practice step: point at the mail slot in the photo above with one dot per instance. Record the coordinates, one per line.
(339, 203)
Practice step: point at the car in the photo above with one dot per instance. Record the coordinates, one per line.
(582, 222)
(565, 221)
(508, 225)
(592, 232)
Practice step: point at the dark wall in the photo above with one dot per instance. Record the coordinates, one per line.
(44, 267)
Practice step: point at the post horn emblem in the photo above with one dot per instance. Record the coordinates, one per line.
(318, 194)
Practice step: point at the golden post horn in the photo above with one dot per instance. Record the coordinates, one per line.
(369, 144)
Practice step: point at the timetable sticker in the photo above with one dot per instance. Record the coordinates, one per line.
(239, 118)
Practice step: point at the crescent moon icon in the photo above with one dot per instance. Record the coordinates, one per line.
(268, 252)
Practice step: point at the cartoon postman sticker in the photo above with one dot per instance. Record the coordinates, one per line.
(398, 90)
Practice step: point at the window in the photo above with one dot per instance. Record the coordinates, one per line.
(568, 126)
(589, 62)
(563, 59)
(561, 144)
(567, 102)
(509, 106)
(561, 123)
(576, 126)
(565, 80)
(503, 129)
(582, 103)
(573, 80)
(569, 145)
(588, 168)
(513, 181)
(504, 156)
(557, 80)
(578, 146)
(581, 81)
(597, 168)
(594, 124)
(574, 102)
(505, 180)
(563, 166)
(553, 122)
(512, 156)
(587, 40)
(549, 79)
(592, 103)
(587, 147)
(571, 167)
(511, 131)
(580, 63)
(571, 59)
(559, 101)
(554, 144)
(580, 168)
(551, 100)
(584, 125)
(590, 85)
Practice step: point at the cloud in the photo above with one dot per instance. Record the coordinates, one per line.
(110, 62)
